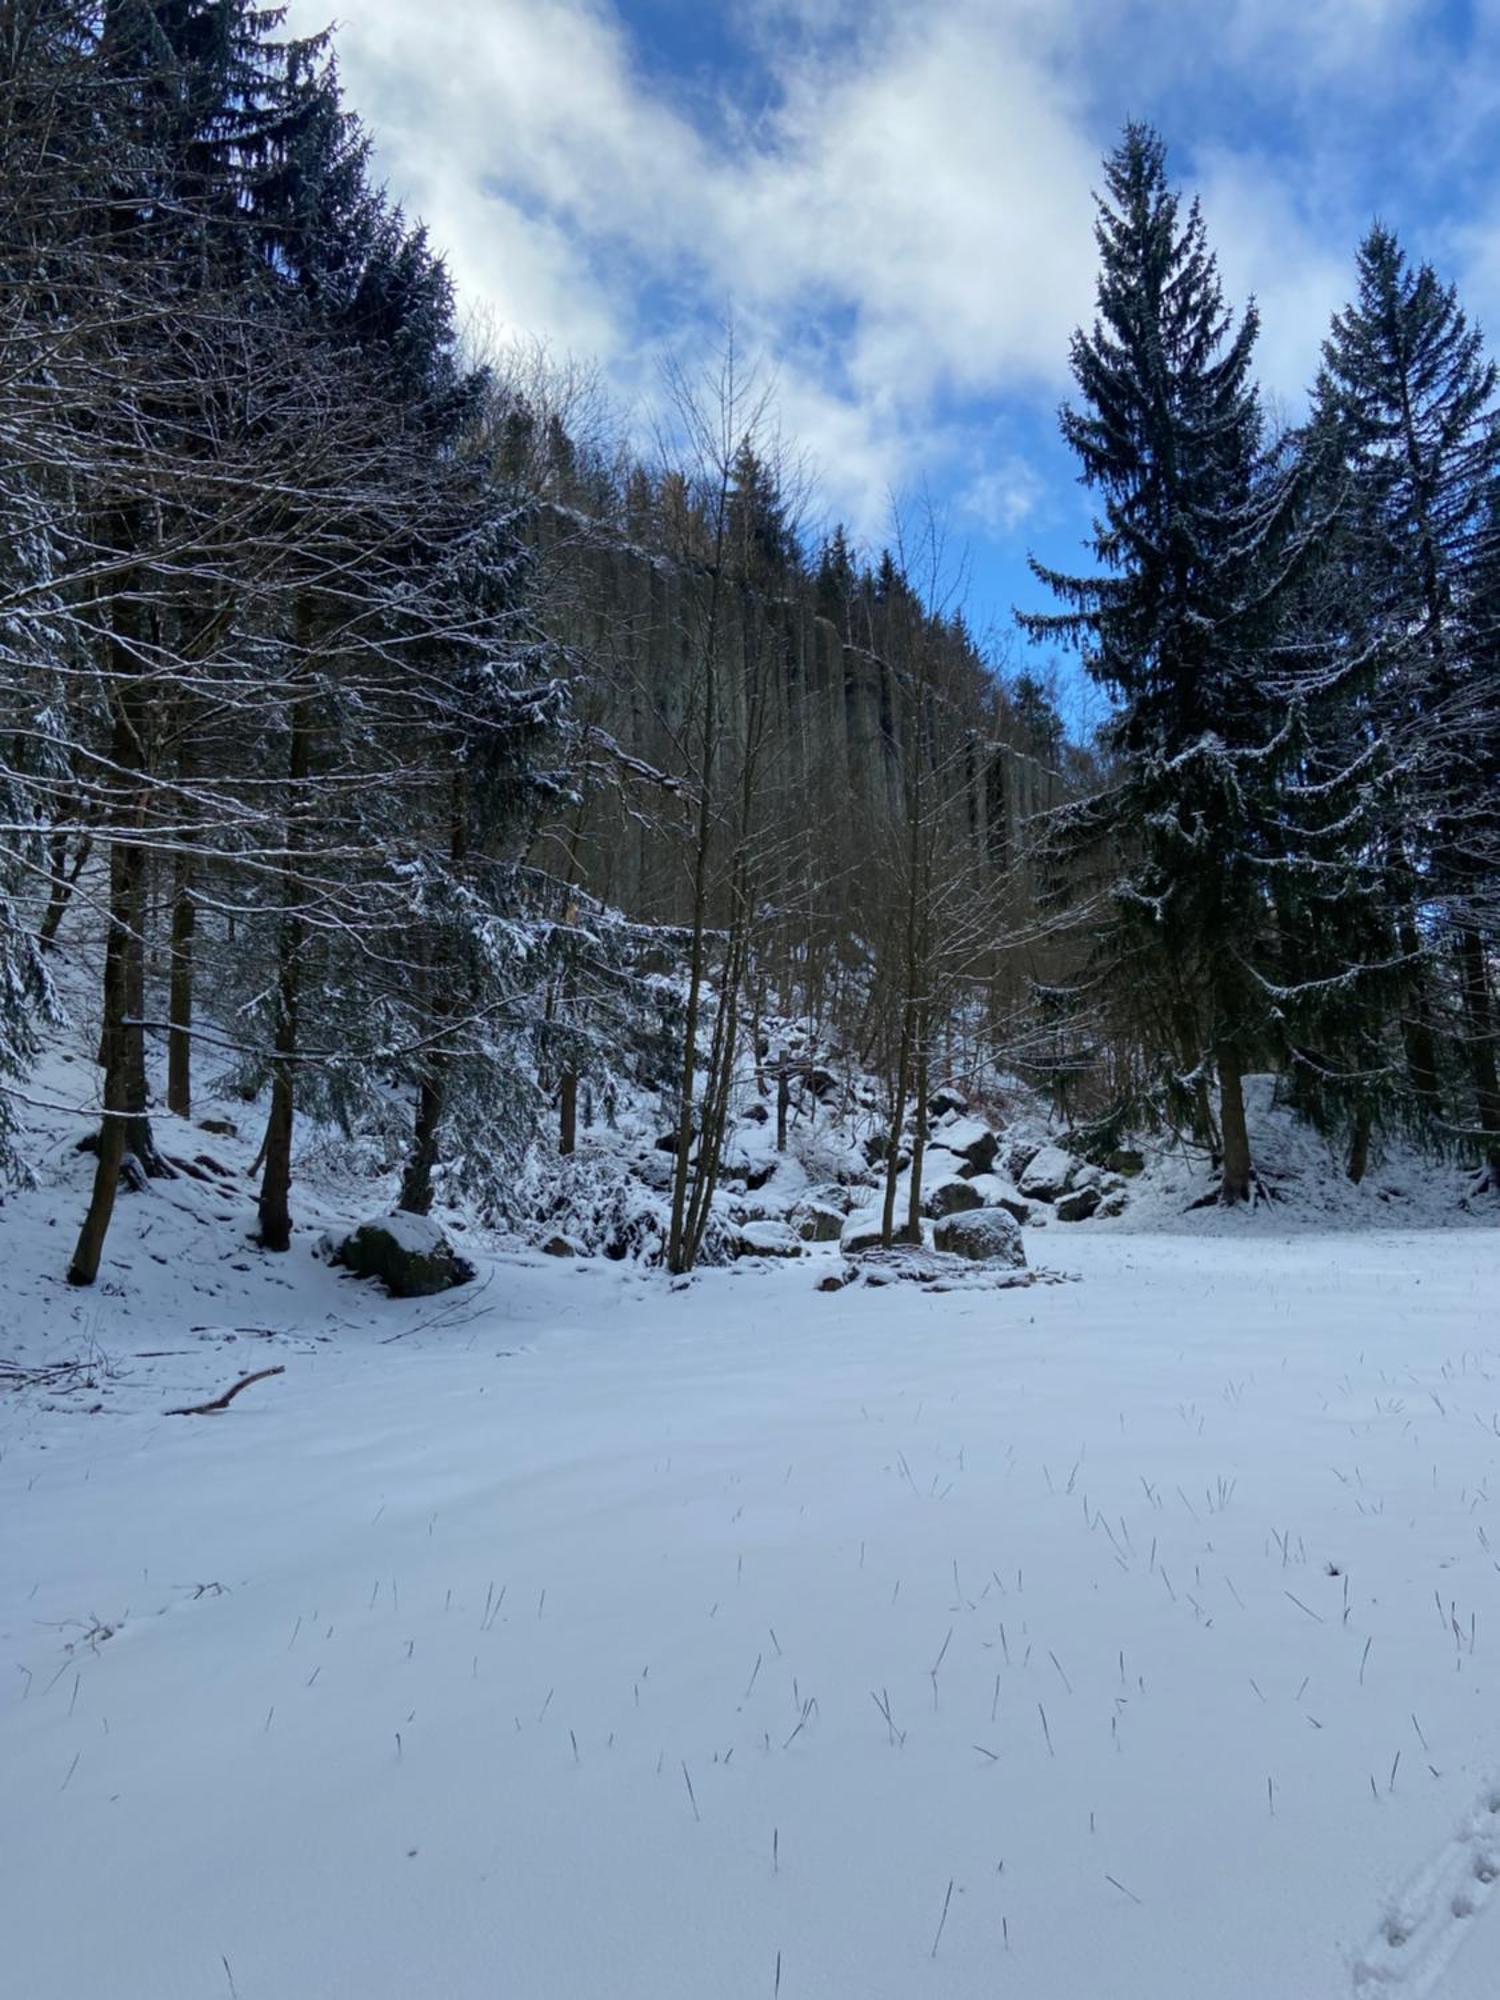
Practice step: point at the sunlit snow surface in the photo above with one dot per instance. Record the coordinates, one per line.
(597, 1640)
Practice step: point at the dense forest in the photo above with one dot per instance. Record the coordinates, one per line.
(382, 723)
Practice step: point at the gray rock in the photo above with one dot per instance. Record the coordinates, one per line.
(767, 1239)
(951, 1197)
(945, 1099)
(1050, 1172)
(862, 1231)
(984, 1235)
(973, 1144)
(1079, 1205)
(998, 1193)
(816, 1222)
(408, 1253)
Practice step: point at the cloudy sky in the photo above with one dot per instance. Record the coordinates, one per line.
(894, 200)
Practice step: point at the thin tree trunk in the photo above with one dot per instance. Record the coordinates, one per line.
(1479, 1014)
(898, 1120)
(1359, 1145)
(567, 1112)
(124, 865)
(63, 880)
(276, 1180)
(180, 983)
(919, 1133)
(1235, 1183)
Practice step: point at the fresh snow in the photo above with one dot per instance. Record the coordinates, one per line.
(575, 1636)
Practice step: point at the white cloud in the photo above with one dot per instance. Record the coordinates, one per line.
(909, 224)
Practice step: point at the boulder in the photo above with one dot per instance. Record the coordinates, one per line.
(1049, 1172)
(951, 1197)
(767, 1239)
(945, 1099)
(1018, 1156)
(1079, 1205)
(818, 1222)
(974, 1144)
(995, 1192)
(862, 1231)
(984, 1235)
(408, 1253)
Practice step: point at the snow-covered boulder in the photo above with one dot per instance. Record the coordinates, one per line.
(984, 1235)
(767, 1239)
(862, 1231)
(951, 1196)
(995, 1191)
(973, 1143)
(818, 1221)
(408, 1253)
(1079, 1205)
(946, 1099)
(1049, 1172)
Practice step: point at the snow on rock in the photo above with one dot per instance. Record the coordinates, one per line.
(818, 1221)
(1079, 1205)
(995, 1191)
(767, 1239)
(861, 1231)
(971, 1141)
(1049, 1173)
(410, 1254)
(950, 1196)
(985, 1235)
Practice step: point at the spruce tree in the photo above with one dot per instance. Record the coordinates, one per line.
(1406, 400)
(1199, 544)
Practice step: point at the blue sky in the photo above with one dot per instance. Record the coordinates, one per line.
(895, 201)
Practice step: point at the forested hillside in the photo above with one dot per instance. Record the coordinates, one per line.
(382, 733)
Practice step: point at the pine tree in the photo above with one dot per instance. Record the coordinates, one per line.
(1406, 400)
(1199, 545)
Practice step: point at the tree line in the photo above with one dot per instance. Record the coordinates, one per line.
(327, 723)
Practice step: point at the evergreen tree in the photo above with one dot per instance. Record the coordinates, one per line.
(1406, 400)
(1199, 545)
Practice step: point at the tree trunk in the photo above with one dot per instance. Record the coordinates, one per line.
(63, 881)
(567, 1112)
(1235, 1183)
(276, 1181)
(416, 1182)
(783, 1101)
(124, 866)
(898, 1119)
(1479, 1015)
(1417, 1033)
(1359, 1145)
(919, 1134)
(180, 1004)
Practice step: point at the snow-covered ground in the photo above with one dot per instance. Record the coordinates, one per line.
(571, 1636)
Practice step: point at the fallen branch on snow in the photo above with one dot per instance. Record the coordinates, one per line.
(222, 1402)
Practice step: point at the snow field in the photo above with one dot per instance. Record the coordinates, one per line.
(1129, 1637)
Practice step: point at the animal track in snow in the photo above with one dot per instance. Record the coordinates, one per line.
(1427, 1921)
